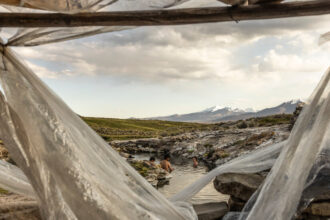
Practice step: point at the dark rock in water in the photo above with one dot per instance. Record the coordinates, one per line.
(319, 192)
(162, 182)
(318, 210)
(211, 211)
(236, 204)
(314, 204)
(240, 186)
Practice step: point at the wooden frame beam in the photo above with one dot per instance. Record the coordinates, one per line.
(167, 17)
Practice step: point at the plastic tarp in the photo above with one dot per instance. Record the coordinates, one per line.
(74, 172)
(324, 38)
(39, 36)
(14, 180)
(308, 145)
(301, 157)
(76, 175)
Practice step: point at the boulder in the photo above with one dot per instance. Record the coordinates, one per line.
(236, 204)
(314, 204)
(239, 186)
(319, 191)
(211, 211)
(319, 209)
(125, 155)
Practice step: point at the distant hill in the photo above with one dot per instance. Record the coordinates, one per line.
(125, 129)
(220, 114)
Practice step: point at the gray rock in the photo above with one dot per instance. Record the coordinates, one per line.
(321, 209)
(235, 204)
(211, 211)
(240, 186)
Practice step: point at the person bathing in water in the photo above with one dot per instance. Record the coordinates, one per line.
(195, 163)
(152, 161)
(166, 165)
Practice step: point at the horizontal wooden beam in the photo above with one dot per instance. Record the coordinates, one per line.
(167, 17)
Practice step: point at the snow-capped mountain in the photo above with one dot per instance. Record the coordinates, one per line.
(218, 107)
(219, 113)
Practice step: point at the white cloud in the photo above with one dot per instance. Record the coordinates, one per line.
(228, 52)
(42, 71)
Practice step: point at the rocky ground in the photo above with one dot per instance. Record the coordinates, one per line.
(213, 148)
(155, 175)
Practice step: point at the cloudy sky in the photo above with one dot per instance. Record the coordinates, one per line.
(153, 71)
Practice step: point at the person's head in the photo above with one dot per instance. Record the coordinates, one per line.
(152, 159)
(194, 158)
(167, 157)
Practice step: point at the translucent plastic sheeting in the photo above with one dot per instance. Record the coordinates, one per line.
(261, 159)
(14, 180)
(74, 172)
(324, 38)
(39, 36)
(305, 154)
(71, 6)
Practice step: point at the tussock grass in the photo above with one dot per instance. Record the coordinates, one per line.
(123, 129)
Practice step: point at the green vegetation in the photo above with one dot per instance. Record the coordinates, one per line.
(223, 154)
(254, 139)
(242, 125)
(140, 167)
(208, 145)
(272, 120)
(3, 191)
(262, 121)
(124, 129)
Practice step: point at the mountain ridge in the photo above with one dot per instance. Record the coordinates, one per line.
(220, 114)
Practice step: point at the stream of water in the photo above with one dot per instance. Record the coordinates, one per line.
(184, 175)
